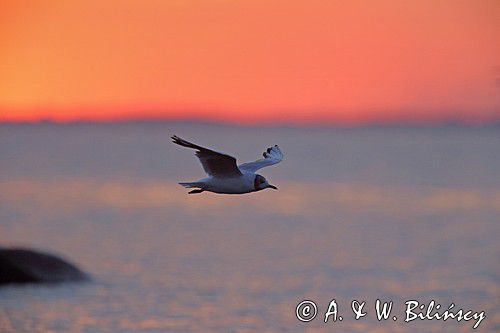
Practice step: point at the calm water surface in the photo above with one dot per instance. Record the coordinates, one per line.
(389, 213)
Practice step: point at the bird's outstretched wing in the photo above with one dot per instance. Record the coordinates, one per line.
(272, 156)
(214, 163)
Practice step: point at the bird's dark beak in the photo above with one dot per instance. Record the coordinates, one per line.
(272, 186)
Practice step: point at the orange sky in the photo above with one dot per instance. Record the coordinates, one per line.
(251, 61)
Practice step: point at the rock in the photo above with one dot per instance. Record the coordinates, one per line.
(19, 265)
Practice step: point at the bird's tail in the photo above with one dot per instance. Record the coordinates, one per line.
(191, 185)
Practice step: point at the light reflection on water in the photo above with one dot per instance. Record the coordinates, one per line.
(163, 261)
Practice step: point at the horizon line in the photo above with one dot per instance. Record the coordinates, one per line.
(417, 123)
(293, 117)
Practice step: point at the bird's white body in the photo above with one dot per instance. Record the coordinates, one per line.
(224, 176)
(229, 185)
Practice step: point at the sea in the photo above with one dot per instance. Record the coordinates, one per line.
(366, 215)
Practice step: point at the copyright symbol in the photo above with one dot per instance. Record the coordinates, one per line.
(306, 311)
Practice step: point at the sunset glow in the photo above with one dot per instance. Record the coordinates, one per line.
(251, 61)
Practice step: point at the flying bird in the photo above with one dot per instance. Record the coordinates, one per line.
(225, 176)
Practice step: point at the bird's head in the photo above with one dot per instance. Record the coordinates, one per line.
(260, 183)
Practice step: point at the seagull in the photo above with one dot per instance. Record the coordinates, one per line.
(225, 176)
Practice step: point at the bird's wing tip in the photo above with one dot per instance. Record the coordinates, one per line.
(273, 151)
(176, 139)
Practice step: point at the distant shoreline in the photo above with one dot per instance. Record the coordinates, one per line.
(278, 125)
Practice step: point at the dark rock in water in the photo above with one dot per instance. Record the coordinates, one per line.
(18, 265)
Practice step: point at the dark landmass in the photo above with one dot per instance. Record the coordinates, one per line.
(21, 265)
